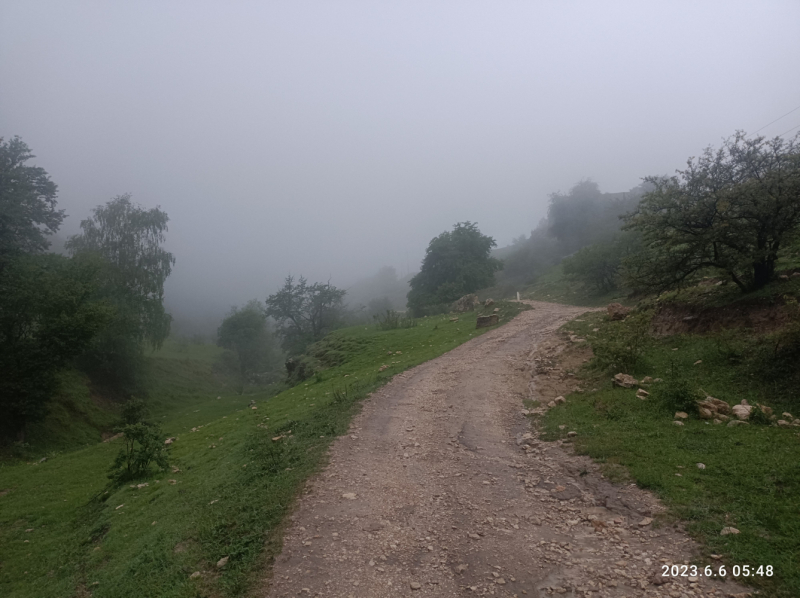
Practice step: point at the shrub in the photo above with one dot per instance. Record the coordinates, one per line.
(677, 393)
(622, 344)
(773, 359)
(144, 446)
(392, 320)
(301, 368)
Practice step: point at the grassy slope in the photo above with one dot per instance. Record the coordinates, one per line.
(75, 419)
(234, 485)
(751, 480)
(556, 287)
(177, 376)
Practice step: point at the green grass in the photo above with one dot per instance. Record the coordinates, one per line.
(76, 418)
(233, 489)
(554, 286)
(728, 294)
(752, 475)
(181, 378)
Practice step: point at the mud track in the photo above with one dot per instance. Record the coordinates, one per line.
(442, 488)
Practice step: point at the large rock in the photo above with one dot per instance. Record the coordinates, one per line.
(742, 412)
(625, 380)
(488, 303)
(486, 321)
(466, 303)
(714, 405)
(705, 413)
(617, 311)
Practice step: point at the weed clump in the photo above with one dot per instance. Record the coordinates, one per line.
(678, 393)
(623, 343)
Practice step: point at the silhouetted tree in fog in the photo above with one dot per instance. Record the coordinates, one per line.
(305, 313)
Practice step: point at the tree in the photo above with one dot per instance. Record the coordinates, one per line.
(48, 306)
(456, 263)
(598, 266)
(730, 210)
(27, 202)
(573, 218)
(305, 313)
(49, 312)
(129, 239)
(246, 333)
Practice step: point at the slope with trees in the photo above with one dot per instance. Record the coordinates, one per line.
(579, 218)
(49, 308)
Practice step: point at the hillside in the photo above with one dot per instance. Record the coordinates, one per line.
(236, 465)
(680, 348)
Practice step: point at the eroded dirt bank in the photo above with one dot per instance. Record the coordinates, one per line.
(441, 488)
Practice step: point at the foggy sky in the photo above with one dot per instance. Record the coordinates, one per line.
(332, 138)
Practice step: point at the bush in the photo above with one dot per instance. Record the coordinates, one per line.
(622, 344)
(598, 266)
(773, 359)
(677, 393)
(301, 368)
(392, 320)
(144, 446)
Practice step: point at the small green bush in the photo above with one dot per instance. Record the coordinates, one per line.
(678, 394)
(621, 347)
(144, 446)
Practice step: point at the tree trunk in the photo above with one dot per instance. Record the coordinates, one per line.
(762, 273)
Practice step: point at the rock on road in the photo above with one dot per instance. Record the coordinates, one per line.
(430, 494)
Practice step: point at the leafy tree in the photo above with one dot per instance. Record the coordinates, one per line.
(730, 210)
(456, 263)
(49, 312)
(48, 305)
(129, 238)
(246, 332)
(27, 202)
(305, 313)
(599, 266)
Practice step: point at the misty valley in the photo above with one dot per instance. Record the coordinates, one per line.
(358, 300)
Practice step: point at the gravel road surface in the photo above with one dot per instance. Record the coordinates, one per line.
(442, 488)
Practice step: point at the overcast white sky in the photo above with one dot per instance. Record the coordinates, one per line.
(332, 138)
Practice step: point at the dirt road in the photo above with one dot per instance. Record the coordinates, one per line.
(438, 491)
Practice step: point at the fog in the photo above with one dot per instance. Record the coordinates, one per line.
(331, 139)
